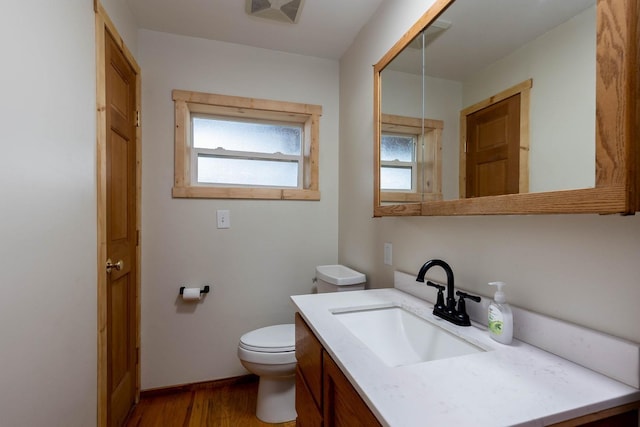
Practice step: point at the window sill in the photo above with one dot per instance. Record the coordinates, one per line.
(244, 193)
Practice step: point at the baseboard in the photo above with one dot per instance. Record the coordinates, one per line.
(181, 388)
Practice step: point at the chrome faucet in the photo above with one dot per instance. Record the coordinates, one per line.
(448, 310)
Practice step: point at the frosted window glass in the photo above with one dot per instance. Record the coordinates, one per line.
(215, 170)
(397, 147)
(395, 178)
(212, 133)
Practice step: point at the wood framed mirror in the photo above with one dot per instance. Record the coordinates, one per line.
(613, 123)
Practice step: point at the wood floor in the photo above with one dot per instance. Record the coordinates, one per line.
(231, 404)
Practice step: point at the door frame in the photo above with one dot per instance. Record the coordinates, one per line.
(524, 89)
(104, 25)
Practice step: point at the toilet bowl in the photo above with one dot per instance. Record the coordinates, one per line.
(270, 353)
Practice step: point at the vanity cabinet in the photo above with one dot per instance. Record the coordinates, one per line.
(324, 396)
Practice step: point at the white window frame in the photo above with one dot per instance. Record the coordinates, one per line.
(402, 164)
(188, 104)
(246, 155)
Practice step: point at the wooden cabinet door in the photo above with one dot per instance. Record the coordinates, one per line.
(621, 416)
(309, 414)
(621, 420)
(309, 356)
(342, 404)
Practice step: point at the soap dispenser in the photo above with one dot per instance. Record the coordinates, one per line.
(500, 316)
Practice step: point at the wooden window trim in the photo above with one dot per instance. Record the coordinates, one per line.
(429, 151)
(187, 103)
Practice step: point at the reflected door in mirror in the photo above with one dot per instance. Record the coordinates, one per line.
(492, 152)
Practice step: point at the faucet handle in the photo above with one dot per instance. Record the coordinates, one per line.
(461, 312)
(436, 285)
(464, 295)
(440, 298)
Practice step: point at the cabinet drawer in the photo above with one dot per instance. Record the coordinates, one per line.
(309, 356)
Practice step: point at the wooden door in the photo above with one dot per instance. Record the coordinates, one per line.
(493, 149)
(121, 236)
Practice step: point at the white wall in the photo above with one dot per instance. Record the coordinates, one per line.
(123, 19)
(48, 216)
(270, 251)
(48, 221)
(581, 268)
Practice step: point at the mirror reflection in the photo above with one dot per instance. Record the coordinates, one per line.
(494, 97)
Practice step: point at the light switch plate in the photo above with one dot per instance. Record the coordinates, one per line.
(223, 218)
(388, 253)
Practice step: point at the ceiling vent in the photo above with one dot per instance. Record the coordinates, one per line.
(432, 32)
(276, 10)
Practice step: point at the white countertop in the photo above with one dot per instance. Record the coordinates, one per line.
(508, 385)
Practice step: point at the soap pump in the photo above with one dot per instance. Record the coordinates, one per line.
(500, 316)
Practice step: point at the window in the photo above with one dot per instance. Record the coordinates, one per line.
(230, 151)
(245, 148)
(398, 165)
(410, 159)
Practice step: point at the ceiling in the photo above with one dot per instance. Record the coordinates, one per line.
(325, 28)
(478, 33)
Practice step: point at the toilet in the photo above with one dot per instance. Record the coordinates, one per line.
(270, 352)
(338, 278)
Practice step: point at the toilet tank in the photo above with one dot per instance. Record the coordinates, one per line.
(338, 278)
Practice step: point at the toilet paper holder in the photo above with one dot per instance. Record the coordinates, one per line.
(205, 290)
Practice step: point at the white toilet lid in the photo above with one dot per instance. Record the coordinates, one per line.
(272, 339)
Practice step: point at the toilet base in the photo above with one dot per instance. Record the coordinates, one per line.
(276, 399)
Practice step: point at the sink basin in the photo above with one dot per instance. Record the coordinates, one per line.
(399, 337)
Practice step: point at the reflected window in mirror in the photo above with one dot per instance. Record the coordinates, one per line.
(410, 158)
(398, 162)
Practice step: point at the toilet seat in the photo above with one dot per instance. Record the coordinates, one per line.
(271, 339)
(263, 358)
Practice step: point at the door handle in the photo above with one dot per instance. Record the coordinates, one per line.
(117, 266)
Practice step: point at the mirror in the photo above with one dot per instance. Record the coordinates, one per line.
(465, 78)
(410, 142)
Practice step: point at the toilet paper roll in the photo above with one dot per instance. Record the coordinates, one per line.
(191, 294)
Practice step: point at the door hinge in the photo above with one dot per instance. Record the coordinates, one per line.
(137, 118)
(137, 237)
(137, 355)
